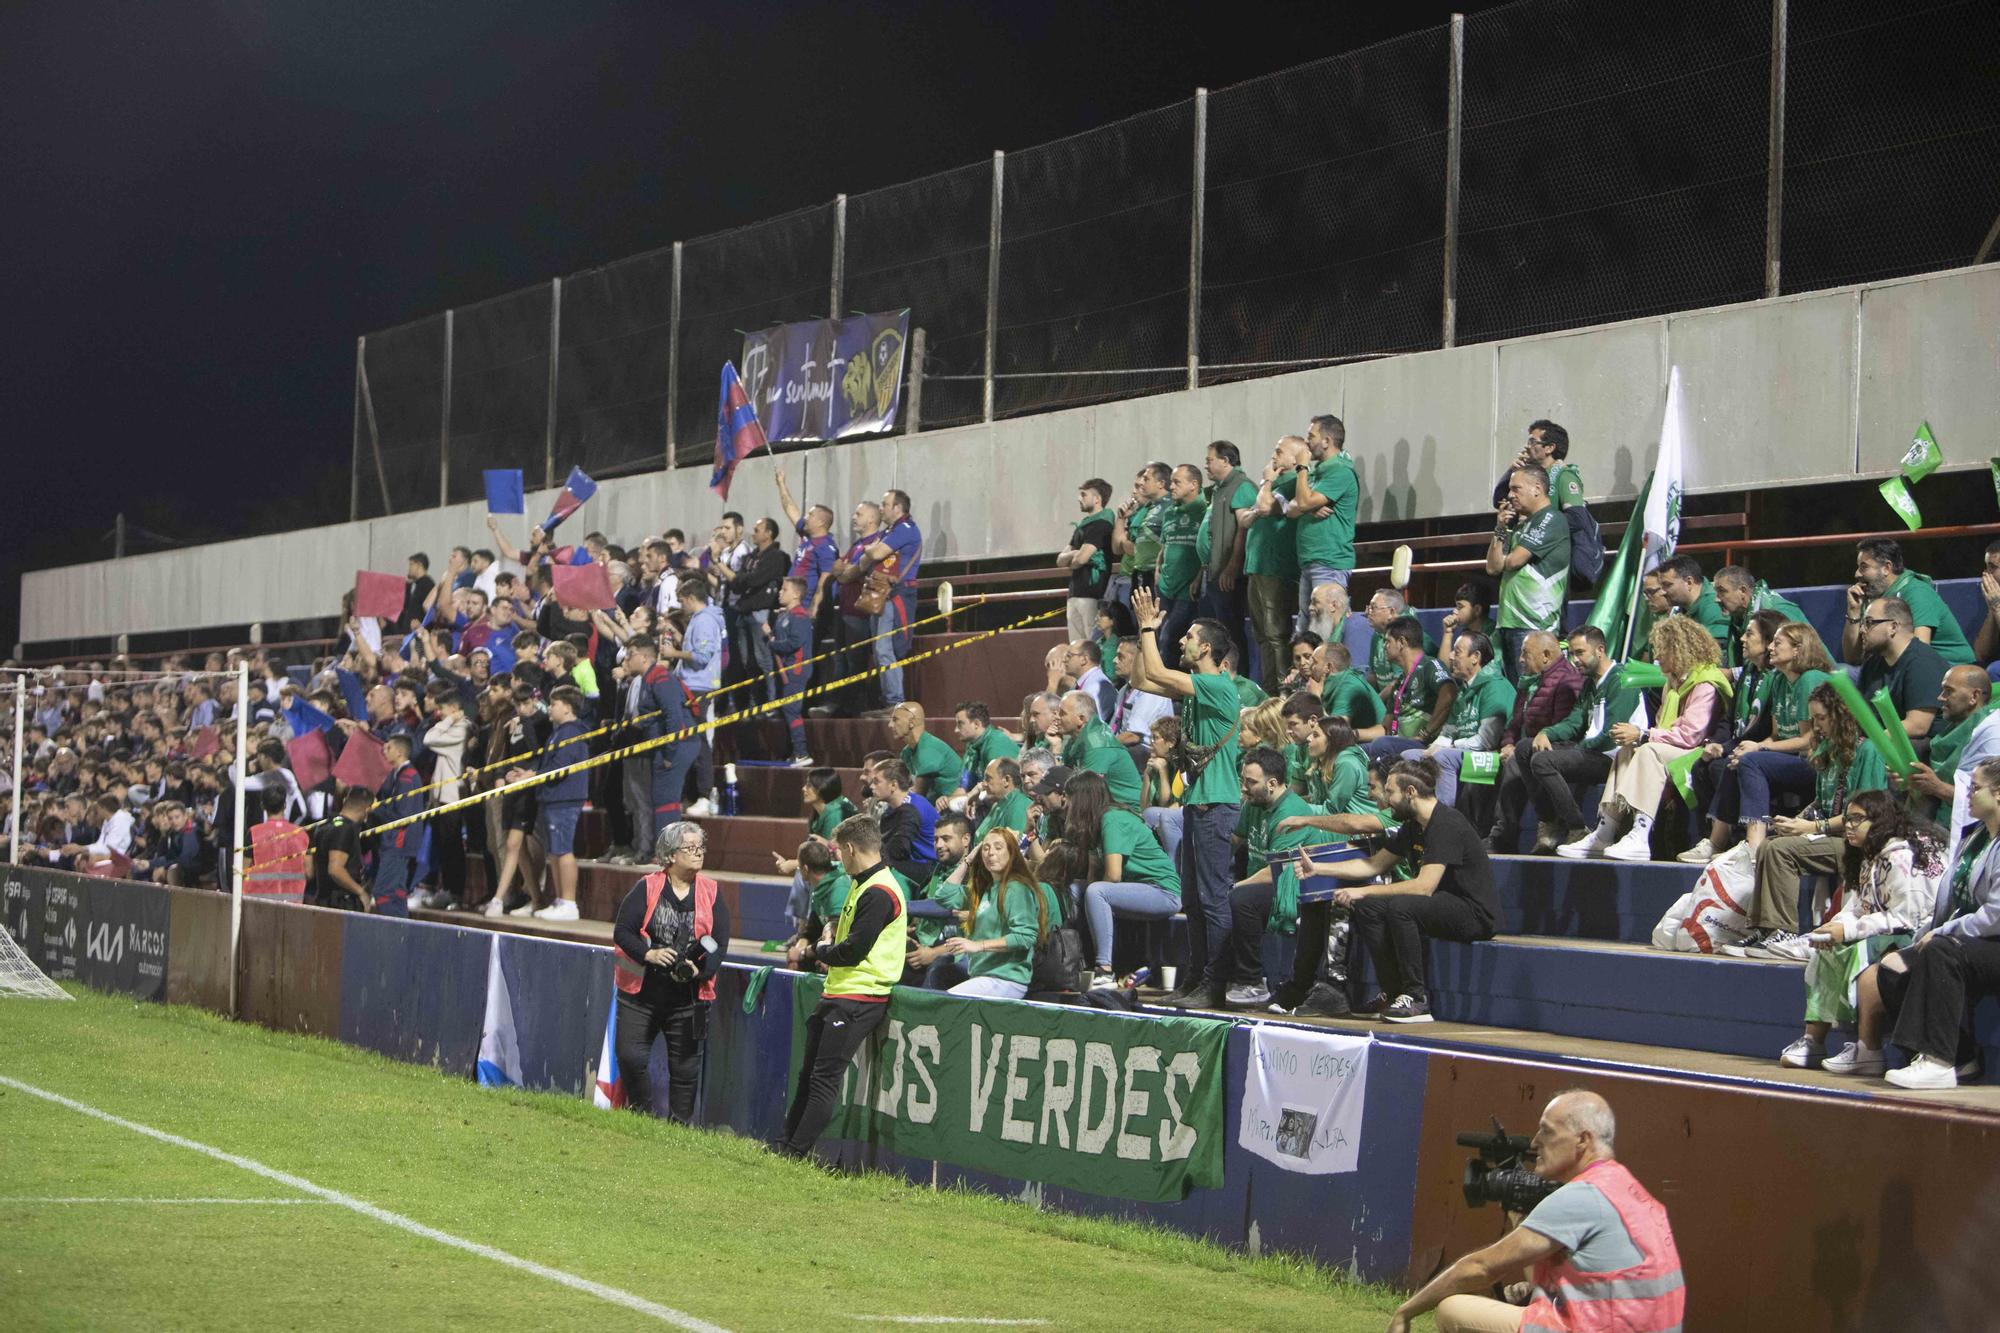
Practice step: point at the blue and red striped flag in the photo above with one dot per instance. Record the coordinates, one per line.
(574, 492)
(738, 433)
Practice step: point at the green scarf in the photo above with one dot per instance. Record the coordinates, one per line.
(1670, 705)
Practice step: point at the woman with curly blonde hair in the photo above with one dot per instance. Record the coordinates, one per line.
(1693, 707)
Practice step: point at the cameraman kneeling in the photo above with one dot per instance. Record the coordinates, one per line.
(1604, 1256)
(670, 934)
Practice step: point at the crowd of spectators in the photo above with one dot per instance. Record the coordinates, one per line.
(1205, 744)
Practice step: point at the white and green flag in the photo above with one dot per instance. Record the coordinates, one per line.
(1663, 498)
(1922, 457)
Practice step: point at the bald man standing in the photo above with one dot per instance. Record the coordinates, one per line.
(1603, 1253)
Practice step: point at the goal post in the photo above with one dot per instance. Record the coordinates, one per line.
(20, 979)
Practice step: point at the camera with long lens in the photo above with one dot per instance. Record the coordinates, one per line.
(688, 967)
(1500, 1172)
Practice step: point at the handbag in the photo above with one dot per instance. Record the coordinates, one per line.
(878, 585)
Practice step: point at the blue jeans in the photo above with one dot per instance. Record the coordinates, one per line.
(1205, 884)
(1108, 899)
(1165, 822)
(895, 615)
(1177, 615)
(1312, 575)
(1744, 794)
(1447, 762)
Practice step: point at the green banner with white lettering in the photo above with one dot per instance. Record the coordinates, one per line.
(1115, 1104)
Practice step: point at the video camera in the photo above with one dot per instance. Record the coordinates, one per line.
(1500, 1172)
(689, 965)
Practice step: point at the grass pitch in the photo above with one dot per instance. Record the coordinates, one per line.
(104, 1227)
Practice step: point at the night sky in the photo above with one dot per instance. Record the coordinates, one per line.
(206, 203)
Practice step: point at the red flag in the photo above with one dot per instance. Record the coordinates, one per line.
(378, 595)
(362, 763)
(585, 587)
(311, 760)
(204, 743)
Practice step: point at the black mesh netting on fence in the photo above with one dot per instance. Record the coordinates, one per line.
(500, 390)
(731, 284)
(924, 245)
(1094, 264)
(1612, 162)
(1324, 216)
(398, 408)
(1892, 138)
(612, 363)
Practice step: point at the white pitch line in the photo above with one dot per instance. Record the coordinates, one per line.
(36, 1200)
(610, 1294)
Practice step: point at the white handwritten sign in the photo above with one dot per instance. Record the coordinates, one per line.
(1302, 1098)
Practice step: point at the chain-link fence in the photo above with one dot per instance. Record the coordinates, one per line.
(1544, 165)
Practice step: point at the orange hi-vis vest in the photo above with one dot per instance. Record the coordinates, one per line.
(1649, 1297)
(629, 972)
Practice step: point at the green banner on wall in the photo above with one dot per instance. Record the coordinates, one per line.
(1110, 1103)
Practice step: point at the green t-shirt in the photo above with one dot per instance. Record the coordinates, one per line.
(1018, 921)
(1566, 486)
(1179, 562)
(992, 744)
(1209, 717)
(933, 766)
(1098, 751)
(1327, 538)
(1142, 528)
(1710, 616)
(1258, 826)
(1345, 790)
(1928, 610)
(1123, 833)
(1272, 549)
(1834, 787)
(1531, 597)
(830, 817)
(829, 895)
(1414, 696)
(1347, 694)
(1009, 813)
(1788, 702)
(1297, 767)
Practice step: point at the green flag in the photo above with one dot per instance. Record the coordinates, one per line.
(1480, 766)
(1681, 771)
(1898, 496)
(1618, 587)
(1923, 456)
(1993, 465)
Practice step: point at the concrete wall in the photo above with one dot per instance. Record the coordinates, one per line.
(1814, 387)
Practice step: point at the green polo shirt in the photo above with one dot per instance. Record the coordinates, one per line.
(992, 744)
(933, 765)
(1098, 751)
(1327, 537)
(1347, 694)
(1272, 549)
(1928, 610)
(1179, 562)
(1009, 813)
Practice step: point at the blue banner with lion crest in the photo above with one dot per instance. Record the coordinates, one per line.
(827, 379)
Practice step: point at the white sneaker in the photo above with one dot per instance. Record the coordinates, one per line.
(1592, 844)
(1247, 995)
(1784, 946)
(1104, 981)
(1698, 855)
(1925, 1074)
(1741, 949)
(1805, 1053)
(1853, 1060)
(701, 809)
(494, 906)
(1634, 846)
(803, 761)
(562, 909)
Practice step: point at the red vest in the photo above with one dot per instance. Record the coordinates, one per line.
(1648, 1297)
(628, 971)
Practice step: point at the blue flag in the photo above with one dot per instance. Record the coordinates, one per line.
(302, 717)
(738, 433)
(506, 493)
(499, 1048)
(574, 492)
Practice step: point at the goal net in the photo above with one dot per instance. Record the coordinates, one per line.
(20, 978)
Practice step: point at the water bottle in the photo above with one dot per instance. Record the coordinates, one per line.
(731, 803)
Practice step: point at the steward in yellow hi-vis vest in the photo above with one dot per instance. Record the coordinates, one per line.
(863, 953)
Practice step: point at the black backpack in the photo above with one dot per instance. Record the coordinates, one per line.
(1586, 549)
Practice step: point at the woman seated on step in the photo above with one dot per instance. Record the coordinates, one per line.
(1749, 720)
(1007, 913)
(1889, 876)
(1775, 761)
(1694, 704)
(1922, 997)
(1128, 873)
